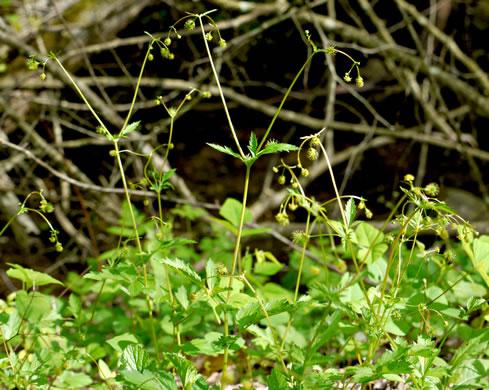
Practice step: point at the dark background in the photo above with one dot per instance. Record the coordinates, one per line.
(375, 135)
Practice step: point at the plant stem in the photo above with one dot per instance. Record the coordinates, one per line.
(216, 77)
(233, 269)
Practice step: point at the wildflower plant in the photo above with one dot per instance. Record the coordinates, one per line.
(354, 292)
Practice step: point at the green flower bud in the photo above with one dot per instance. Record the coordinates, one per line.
(304, 172)
(32, 64)
(347, 77)
(167, 41)
(222, 43)
(359, 82)
(209, 36)
(43, 76)
(171, 56)
(113, 152)
(312, 154)
(165, 52)
(206, 94)
(432, 189)
(151, 57)
(281, 179)
(189, 25)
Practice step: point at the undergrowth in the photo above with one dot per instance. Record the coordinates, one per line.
(355, 304)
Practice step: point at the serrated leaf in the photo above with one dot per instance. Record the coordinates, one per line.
(182, 298)
(130, 128)
(231, 211)
(185, 368)
(253, 145)
(134, 358)
(253, 312)
(225, 149)
(328, 330)
(122, 341)
(350, 211)
(211, 274)
(184, 269)
(277, 380)
(30, 277)
(273, 147)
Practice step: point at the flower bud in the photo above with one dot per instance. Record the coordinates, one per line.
(281, 179)
(312, 154)
(189, 25)
(151, 57)
(167, 41)
(222, 43)
(347, 77)
(43, 76)
(359, 82)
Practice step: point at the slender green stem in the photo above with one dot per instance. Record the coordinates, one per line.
(275, 340)
(77, 89)
(216, 77)
(136, 90)
(233, 268)
(298, 282)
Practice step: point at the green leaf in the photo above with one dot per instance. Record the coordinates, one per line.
(184, 269)
(277, 380)
(122, 342)
(75, 305)
(148, 380)
(231, 211)
(481, 257)
(274, 147)
(253, 312)
(130, 128)
(206, 346)
(370, 240)
(73, 380)
(225, 149)
(134, 358)
(253, 145)
(34, 306)
(185, 368)
(30, 277)
(12, 327)
(363, 374)
(267, 268)
(328, 330)
(212, 276)
(182, 298)
(350, 211)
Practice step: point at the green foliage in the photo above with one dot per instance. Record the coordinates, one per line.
(158, 304)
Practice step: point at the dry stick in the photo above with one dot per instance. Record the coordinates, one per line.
(460, 87)
(94, 187)
(39, 142)
(449, 43)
